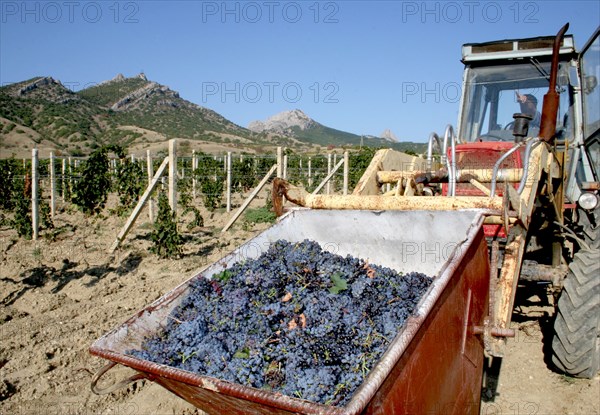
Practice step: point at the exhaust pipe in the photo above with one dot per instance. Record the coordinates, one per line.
(551, 99)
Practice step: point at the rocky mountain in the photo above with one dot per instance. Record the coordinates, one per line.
(43, 112)
(388, 135)
(147, 104)
(284, 123)
(296, 124)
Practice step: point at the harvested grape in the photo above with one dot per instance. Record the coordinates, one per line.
(297, 320)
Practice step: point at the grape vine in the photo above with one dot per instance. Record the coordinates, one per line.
(167, 241)
(129, 184)
(212, 179)
(90, 191)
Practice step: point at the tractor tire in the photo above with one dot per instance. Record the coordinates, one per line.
(590, 222)
(576, 341)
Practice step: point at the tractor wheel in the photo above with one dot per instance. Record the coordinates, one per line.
(576, 342)
(590, 222)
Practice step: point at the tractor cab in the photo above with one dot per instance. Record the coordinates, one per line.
(509, 77)
(507, 80)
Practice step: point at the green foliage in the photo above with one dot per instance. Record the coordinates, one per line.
(212, 190)
(223, 276)
(91, 190)
(269, 202)
(167, 241)
(108, 93)
(45, 214)
(15, 187)
(211, 177)
(121, 137)
(243, 353)
(130, 183)
(22, 222)
(15, 110)
(339, 283)
(242, 174)
(186, 201)
(359, 161)
(197, 221)
(183, 191)
(298, 170)
(16, 196)
(10, 169)
(259, 215)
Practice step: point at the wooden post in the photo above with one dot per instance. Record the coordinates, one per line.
(310, 172)
(333, 178)
(150, 172)
(279, 162)
(64, 173)
(250, 198)
(70, 181)
(194, 167)
(173, 176)
(328, 186)
(346, 172)
(35, 220)
(139, 206)
(329, 176)
(52, 187)
(228, 190)
(285, 163)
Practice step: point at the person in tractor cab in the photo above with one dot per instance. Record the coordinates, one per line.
(528, 105)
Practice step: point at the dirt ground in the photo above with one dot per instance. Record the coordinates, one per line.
(58, 295)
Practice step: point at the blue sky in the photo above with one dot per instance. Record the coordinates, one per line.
(358, 66)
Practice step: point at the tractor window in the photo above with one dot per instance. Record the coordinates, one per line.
(494, 93)
(590, 72)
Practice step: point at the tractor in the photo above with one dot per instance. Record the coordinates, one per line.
(535, 168)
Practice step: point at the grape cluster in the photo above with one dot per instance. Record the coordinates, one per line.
(297, 320)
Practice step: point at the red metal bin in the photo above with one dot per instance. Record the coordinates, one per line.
(433, 365)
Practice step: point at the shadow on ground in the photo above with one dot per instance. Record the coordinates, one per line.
(42, 275)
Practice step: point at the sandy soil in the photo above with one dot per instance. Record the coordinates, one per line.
(59, 294)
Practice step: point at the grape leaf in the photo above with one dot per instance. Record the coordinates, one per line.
(339, 284)
(242, 354)
(223, 276)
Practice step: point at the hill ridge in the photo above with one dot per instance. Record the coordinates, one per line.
(137, 111)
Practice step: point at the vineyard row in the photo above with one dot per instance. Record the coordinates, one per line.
(213, 177)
